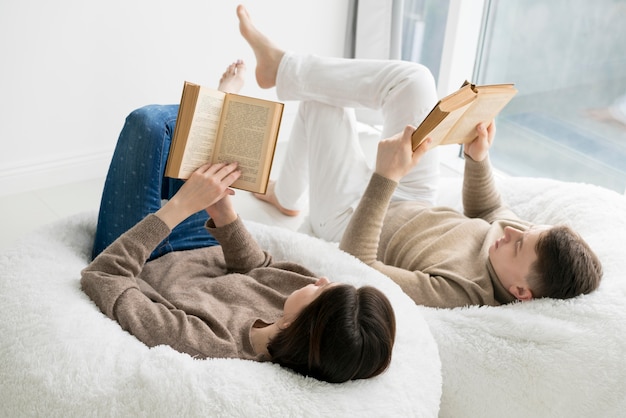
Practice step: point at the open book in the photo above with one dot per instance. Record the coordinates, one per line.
(214, 126)
(454, 118)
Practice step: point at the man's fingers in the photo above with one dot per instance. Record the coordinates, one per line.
(422, 149)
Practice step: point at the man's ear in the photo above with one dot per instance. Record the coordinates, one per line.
(521, 292)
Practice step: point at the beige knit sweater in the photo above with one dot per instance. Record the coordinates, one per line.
(438, 256)
(202, 302)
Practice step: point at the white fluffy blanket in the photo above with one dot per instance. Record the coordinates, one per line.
(61, 357)
(544, 358)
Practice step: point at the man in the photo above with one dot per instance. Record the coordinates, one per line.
(439, 257)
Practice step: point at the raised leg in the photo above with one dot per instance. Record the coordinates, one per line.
(135, 184)
(404, 92)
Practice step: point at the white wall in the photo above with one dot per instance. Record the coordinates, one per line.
(73, 69)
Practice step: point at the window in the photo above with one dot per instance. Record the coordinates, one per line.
(423, 31)
(566, 57)
(568, 60)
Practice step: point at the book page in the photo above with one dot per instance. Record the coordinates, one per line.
(246, 136)
(203, 131)
(485, 108)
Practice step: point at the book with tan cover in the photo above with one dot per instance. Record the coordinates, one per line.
(213, 126)
(454, 118)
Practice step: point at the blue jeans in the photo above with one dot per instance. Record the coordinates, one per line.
(135, 183)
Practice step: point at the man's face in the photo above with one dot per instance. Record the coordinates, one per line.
(512, 256)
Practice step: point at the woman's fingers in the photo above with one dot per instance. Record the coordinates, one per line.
(226, 173)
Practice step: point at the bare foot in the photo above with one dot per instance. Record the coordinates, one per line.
(233, 78)
(606, 115)
(267, 54)
(270, 197)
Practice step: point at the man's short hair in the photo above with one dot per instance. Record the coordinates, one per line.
(566, 266)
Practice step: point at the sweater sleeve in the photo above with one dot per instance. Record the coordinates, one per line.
(433, 291)
(481, 198)
(362, 234)
(113, 272)
(241, 252)
(361, 239)
(111, 282)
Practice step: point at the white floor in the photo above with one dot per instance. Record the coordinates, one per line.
(22, 213)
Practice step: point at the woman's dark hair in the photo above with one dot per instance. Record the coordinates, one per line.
(344, 334)
(566, 267)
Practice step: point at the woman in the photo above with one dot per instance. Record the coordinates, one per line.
(211, 291)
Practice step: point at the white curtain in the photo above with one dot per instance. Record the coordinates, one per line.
(375, 29)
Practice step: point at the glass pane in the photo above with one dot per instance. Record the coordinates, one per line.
(568, 60)
(423, 30)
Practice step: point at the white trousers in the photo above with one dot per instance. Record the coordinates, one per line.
(324, 156)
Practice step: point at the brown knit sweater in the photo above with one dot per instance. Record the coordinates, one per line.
(202, 302)
(438, 256)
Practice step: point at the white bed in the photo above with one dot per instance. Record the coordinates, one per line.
(544, 358)
(61, 357)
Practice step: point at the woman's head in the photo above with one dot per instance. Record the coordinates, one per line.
(344, 333)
